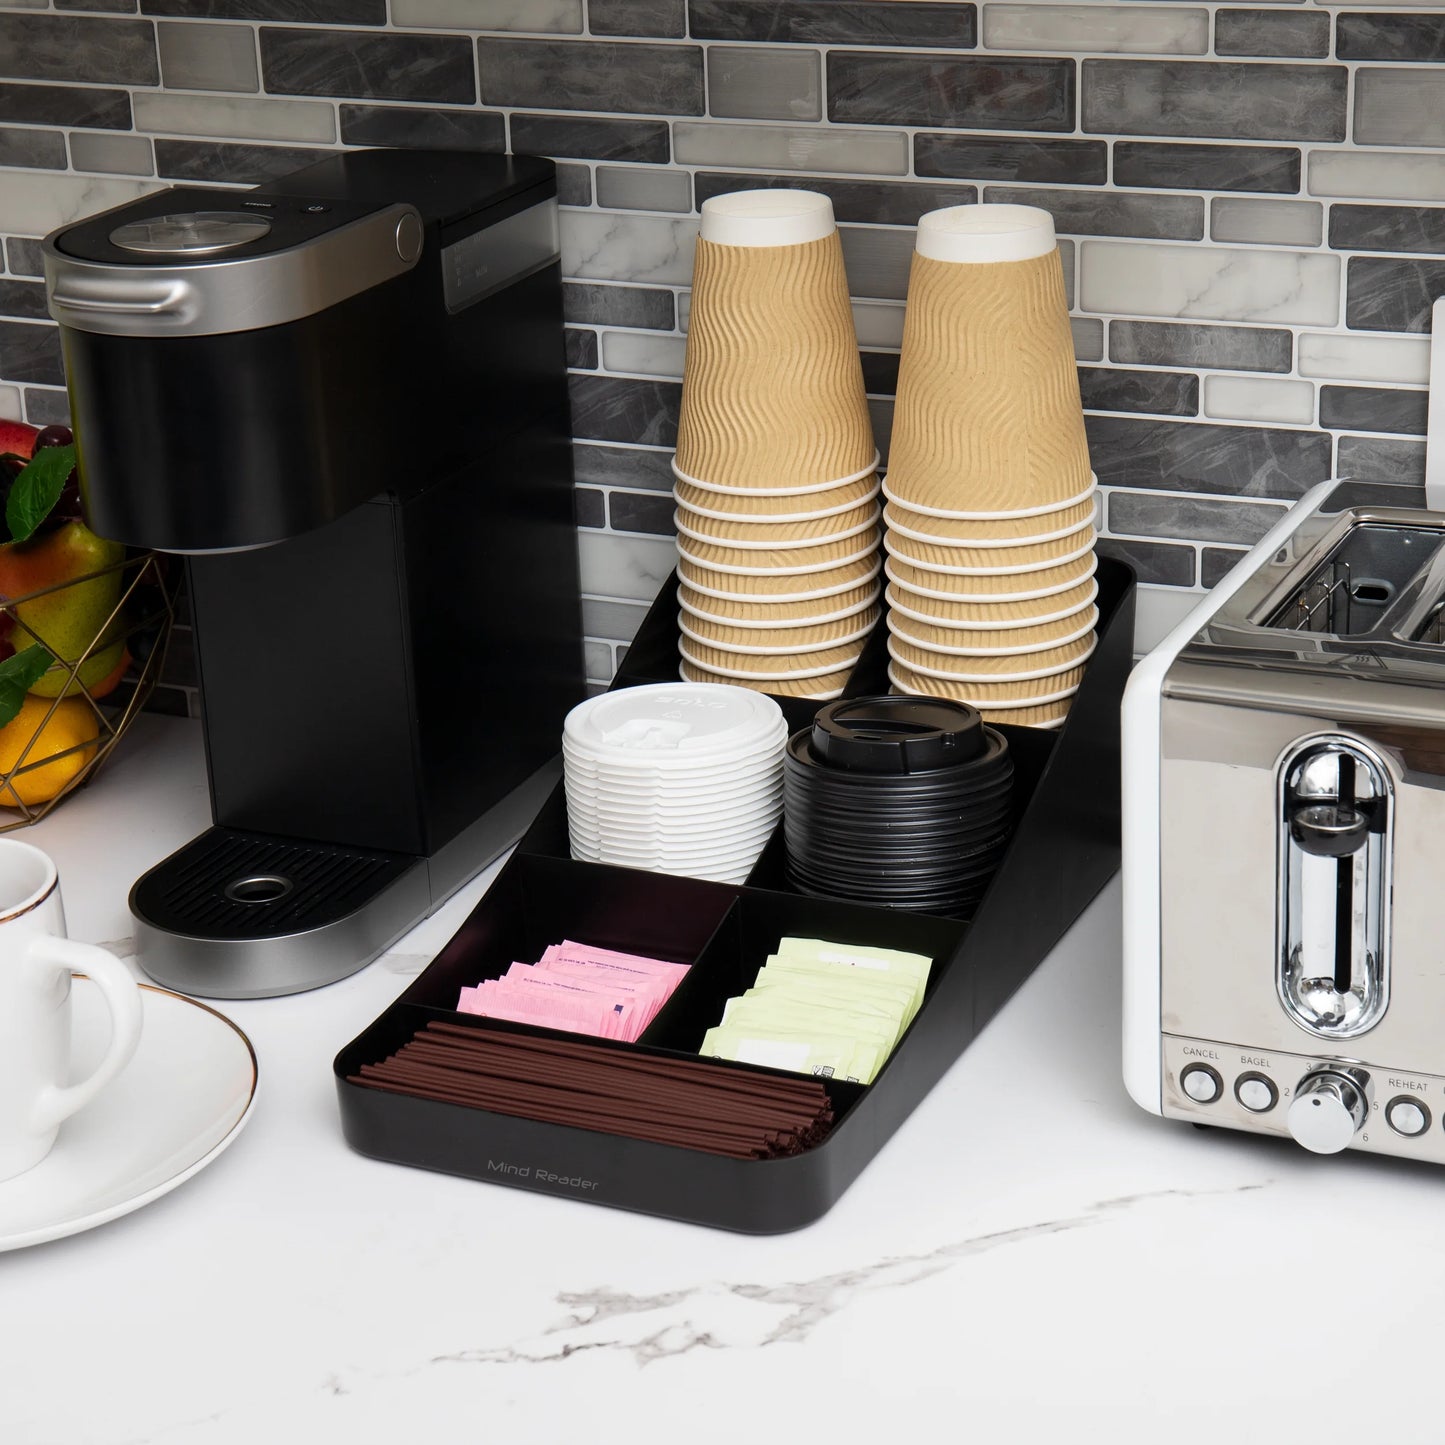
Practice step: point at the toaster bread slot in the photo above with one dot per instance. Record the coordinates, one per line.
(1348, 593)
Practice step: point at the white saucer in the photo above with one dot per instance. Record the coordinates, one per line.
(180, 1101)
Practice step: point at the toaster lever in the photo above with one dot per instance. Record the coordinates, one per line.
(1330, 830)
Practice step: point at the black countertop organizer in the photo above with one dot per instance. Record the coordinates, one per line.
(1064, 848)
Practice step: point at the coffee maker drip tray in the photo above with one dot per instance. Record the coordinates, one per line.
(215, 918)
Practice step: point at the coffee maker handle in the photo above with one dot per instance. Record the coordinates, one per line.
(122, 997)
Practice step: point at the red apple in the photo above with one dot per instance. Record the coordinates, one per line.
(18, 437)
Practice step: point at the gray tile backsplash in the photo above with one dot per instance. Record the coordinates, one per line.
(1250, 199)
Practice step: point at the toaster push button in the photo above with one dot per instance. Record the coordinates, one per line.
(1407, 1117)
(1201, 1083)
(1256, 1093)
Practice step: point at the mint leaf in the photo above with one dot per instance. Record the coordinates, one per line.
(37, 489)
(18, 675)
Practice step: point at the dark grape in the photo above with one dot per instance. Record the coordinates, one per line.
(67, 504)
(54, 436)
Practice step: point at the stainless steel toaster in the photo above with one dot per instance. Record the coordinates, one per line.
(1284, 840)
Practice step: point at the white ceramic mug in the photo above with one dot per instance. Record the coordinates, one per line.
(36, 962)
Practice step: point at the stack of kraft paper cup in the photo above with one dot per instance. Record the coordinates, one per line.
(990, 500)
(777, 490)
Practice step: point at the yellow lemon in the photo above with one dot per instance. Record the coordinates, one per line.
(71, 730)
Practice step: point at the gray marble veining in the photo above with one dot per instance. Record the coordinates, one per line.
(1388, 228)
(1392, 295)
(593, 137)
(609, 408)
(1216, 563)
(194, 160)
(591, 75)
(618, 466)
(1305, 33)
(751, 82)
(305, 12)
(31, 352)
(1373, 408)
(838, 22)
(1168, 393)
(77, 105)
(432, 126)
(1382, 459)
(1206, 167)
(659, 19)
(1152, 514)
(38, 149)
(602, 305)
(1111, 213)
(359, 63)
(1041, 160)
(1399, 107)
(879, 203)
(1372, 36)
(208, 57)
(68, 47)
(1167, 343)
(1160, 564)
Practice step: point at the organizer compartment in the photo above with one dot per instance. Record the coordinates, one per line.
(1065, 847)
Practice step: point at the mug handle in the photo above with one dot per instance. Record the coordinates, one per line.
(122, 997)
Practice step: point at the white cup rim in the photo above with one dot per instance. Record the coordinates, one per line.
(1005, 705)
(737, 571)
(1074, 636)
(813, 516)
(1016, 514)
(985, 232)
(683, 476)
(1033, 540)
(50, 879)
(767, 216)
(1029, 675)
(782, 596)
(777, 544)
(983, 626)
(990, 596)
(1020, 569)
(774, 623)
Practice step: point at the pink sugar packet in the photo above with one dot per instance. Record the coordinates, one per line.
(586, 953)
(574, 1012)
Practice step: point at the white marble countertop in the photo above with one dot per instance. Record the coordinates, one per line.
(1030, 1258)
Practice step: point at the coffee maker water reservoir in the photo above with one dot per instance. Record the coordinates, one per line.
(343, 395)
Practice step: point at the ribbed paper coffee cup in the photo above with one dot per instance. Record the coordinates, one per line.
(776, 640)
(828, 686)
(1031, 692)
(921, 658)
(718, 557)
(772, 384)
(726, 505)
(1048, 715)
(922, 608)
(980, 533)
(946, 636)
(780, 586)
(768, 615)
(988, 414)
(771, 532)
(803, 663)
(958, 586)
(946, 557)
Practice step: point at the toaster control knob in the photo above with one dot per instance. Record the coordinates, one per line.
(1329, 830)
(1326, 1111)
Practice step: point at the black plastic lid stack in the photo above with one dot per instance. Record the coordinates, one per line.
(898, 801)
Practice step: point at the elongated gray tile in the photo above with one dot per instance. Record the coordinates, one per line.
(1304, 33)
(656, 19)
(429, 127)
(1234, 348)
(883, 203)
(592, 137)
(622, 466)
(1216, 563)
(1399, 107)
(1164, 164)
(1375, 36)
(841, 22)
(197, 160)
(574, 184)
(1043, 160)
(66, 47)
(878, 259)
(610, 408)
(34, 149)
(591, 75)
(1377, 175)
(112, 154)
(76, 105)
(1373, 408)
(753, 82)
(23, 299)
(973, 92)
(1387, 228)
(1210, 284)
(236, 117)
(1165, 393)
(645, 307)
(1391, 295)
(50, 406)
(1094, 29)
(1088, 334)
(1228, 99)
(643, 188)
(791, 148)
(560, 17)
(646, 512)
(616, 620)
(1111, 213)
(1185, 456)
(1200, 519)
(582, 351)
(1269, 223)
(208, 57)
(1157, 564)
(304, 12)
(1364, 358)
(23, 256)
(1382, 459)
(358, 63)
(30, 352)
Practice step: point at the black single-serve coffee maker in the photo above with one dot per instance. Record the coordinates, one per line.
(343, 394)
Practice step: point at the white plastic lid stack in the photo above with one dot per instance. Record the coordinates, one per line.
(767, 218)
(669, 725)
(985, 233)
